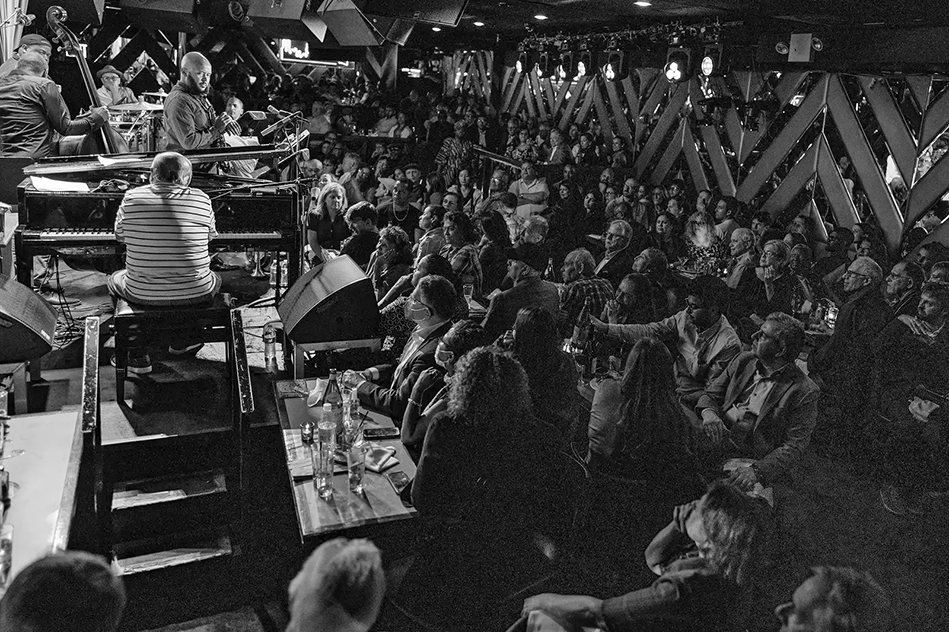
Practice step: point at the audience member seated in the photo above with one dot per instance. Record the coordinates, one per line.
(902, 286)
(760, 223)
(507, 207)
(361, 218)
(771, 290)
(73, 591)
(526, 263)
(926, 224)
(593, 215)
(433, 238)
(743, 260)
(495, 241)
(469, 195)
(617, 261)
(579, 284)
(827, 271)
(339, 589)
(704, 250)
(497, 187)
(725, 212)
(839, 365)
(531, 191)
(486, 487)
(391, 260)
(762, 406)
(939, 272)
(326, 223)
(704, 338)
(430, 393)
(666, 237)
(930, 254)
(551, 372)
(386, 388)
(638, 429)
(461, 236)
(837, 599)
(668, 289)
(564, 220)
(706, 558)
(401, 211)
(533, 231)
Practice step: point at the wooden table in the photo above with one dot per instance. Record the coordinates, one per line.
(320, 518)
(47, 473)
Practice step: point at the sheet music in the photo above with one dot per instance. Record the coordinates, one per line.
(48, 184)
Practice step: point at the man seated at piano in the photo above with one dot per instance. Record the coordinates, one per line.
(33, 113)
(190, 121)
(112, 92)
(166, 227)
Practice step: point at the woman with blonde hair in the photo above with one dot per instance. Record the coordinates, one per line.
(326, 225)
(704, 250)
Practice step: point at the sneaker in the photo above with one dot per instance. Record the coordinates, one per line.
(186, 350)
(139, 364)
(893, 501)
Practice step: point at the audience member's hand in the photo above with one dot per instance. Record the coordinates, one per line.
(744, 478)
(714, 429)
(506, 340)
(612, 311)
(681, 515)
(569, 609)
(917, 326)
(598, 325)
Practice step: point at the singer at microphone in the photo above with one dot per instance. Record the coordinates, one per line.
(28, 43)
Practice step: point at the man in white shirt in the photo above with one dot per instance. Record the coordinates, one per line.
(531, 191)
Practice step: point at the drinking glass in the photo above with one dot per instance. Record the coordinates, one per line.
(468, 289)
(356, 463)
(323, 457)
(3, 403)
(6, 552)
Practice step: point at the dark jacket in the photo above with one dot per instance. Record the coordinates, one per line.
(784, 425)
(530, 292)
(618, 267)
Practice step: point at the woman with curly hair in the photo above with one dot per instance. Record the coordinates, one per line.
(704, 250)
(705, 559)
(637, 427)
(461, 251)
(326, 223)
(391, 260)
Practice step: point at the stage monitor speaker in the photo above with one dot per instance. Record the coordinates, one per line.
(289, 19)
(169, 15)
(332, 302)
(77, 11)
(444, 12)
(27, 322)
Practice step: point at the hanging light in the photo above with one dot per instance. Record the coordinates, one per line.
(586, 66)
(567, 68)
(678, 66)
(548, 62)
(711, 65)
(616, 67)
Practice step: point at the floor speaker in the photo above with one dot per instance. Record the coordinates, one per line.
(332, 302)
(289, 19)
(27, 322)
(77, 11)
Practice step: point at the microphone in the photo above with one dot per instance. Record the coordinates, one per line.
(24, 19)
(273, 110)
(255, 115)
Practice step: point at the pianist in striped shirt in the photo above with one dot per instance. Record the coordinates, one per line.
(166, 227)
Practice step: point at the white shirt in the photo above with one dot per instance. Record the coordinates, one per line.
(519, 187)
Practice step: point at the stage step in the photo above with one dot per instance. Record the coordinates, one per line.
(155, 554)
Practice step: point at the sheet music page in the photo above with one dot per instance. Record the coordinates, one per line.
(48, 184)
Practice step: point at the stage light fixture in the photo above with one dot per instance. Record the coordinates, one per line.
(678, 66)
(782, 48)
(526, 59)
(567, 69)
(616, 67)
(712, 61)
(548, 62)
(586, 66)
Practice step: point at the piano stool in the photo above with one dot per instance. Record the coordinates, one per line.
(138, 326)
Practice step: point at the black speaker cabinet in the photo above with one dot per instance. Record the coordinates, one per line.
(332, 302)
(169, 15)
(444, 12)
(289, 19)
(77, 11)
(27, 322)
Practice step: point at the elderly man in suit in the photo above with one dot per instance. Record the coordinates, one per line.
(526, 263)
(617, 261)
(386, 388)
(763, 406)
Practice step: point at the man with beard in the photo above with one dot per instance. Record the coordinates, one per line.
(901, 288)
(830, 268)
(190, 121)
(705, 340)
(762, 406)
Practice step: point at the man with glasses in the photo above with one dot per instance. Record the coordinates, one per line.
(630, 189)
(902, 286)
(386, 388)
(703, 337)
(617, 261)
(742, 265)
(190, 121)
(497, 187)
(579, 284)
(762, 406)
(31, 43)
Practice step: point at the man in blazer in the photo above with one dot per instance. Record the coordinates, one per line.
(763, 406)
(526, 263)
(617, 261)
(386, 388)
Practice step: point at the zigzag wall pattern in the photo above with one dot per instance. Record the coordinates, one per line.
(781, 162)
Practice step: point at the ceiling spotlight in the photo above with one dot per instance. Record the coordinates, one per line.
(781, 48)
(643, 3)
(817, 44)
(479, 23)
(712, 61)
(678, 65)
(540, 16)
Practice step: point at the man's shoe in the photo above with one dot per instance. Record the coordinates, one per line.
(139, 364)
(187, 350)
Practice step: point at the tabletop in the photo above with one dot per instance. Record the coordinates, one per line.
(44, 478)
(379, 503)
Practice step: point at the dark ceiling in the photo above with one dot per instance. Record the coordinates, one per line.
(513, 20)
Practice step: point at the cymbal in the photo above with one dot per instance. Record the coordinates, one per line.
(160, 95)
(137, 107)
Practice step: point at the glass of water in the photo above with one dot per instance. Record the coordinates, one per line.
(356, 464)
(468, 289)
(323, 456)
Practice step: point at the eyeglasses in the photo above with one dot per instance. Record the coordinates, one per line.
(893, 275)
(859, 274)
(615, 236)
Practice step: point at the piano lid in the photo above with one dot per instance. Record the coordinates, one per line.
(143, 160)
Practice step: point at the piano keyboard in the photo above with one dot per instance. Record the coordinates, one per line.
(86, 235)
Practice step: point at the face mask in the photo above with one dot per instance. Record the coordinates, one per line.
(416, 312)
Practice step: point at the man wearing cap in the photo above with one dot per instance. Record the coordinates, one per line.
(31, 43)
(32, 111)
(112, 92)
(526, 263)
(190, 121)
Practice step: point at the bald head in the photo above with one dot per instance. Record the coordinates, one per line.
(171, 167)
(33, 63)
(196, 72)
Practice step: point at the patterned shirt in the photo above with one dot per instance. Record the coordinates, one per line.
(453, 155)
(166, 229)
(575, 294)
(466, 263)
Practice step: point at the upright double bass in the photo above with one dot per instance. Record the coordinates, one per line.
(104, 140)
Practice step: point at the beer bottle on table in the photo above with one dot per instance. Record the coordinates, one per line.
(581, 329)
(334, 397)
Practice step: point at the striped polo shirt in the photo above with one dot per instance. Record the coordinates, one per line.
(166, 229)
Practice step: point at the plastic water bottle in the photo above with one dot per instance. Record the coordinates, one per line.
(270, 344)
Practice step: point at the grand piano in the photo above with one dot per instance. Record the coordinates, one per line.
(73, 213)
